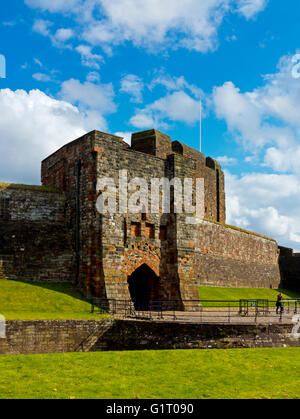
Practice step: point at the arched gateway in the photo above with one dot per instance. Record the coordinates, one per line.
(143, 287)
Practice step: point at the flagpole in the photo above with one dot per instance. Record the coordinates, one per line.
(200, 125)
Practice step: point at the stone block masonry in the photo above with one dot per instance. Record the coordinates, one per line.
(59, 336)
(289, 262)
(35, 240)
(161, 255)
(226, 256)
(54, 232)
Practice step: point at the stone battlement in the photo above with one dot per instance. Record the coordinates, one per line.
(122, 256)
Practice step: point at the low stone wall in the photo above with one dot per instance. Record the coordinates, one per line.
(132, 335)
(47, 336)
(36, 337)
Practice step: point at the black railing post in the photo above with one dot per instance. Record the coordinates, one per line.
(209, 310)
(256, 311)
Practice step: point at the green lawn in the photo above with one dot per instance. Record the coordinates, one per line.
(197, 374)
(236, 294)
(42, 301)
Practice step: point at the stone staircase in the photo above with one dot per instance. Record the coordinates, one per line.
(93, 340)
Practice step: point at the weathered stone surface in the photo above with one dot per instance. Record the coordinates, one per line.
(37, 337)
(290, 268)
(35, 240)
(64, 237)
(229, 257)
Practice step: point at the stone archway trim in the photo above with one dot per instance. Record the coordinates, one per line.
(153, 266)
(136, 259)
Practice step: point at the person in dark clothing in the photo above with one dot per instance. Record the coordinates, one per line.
(279, 305)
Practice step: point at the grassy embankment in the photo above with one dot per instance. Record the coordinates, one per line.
(236, 294)
(42, 301)
(182, 374)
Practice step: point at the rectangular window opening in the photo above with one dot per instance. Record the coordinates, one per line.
(135, 229)
(150, 231)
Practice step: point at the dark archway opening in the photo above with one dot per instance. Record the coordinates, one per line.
(143, 287)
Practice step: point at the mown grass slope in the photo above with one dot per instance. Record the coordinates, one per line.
(180, 374)
(45, 301)
(42, 301)
(234, 294)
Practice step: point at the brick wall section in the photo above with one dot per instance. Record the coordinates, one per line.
(58, 336)
(35, 242)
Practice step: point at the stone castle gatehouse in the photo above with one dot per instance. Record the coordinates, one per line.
(54, 232)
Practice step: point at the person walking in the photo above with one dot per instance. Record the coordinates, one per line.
(279, 305)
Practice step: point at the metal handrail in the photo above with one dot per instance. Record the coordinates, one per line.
(199, 310)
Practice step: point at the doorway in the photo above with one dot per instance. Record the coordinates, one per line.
(143, 287)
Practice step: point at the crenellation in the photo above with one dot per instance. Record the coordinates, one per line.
(164, 257)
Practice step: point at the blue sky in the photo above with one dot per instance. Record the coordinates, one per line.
(127, 65)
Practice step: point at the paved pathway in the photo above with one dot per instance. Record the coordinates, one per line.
(217, 316)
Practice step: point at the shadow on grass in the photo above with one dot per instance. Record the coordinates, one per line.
(61, 287)
(290, 293)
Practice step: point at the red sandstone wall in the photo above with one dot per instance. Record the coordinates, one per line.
(210, 254)
(210, 170)
(229, 257)
(35, 243)
(119, 252)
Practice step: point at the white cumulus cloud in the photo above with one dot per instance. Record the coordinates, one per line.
(250, 8)
(125, 135)
(190, 24)
(34, 125)
(265, 120)
(265, 203)
(64, 34)
(55, 5)
(88, 58)
(226, 161)
(133, 85)
(87, 95)
(42, 77)
(175, 106)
